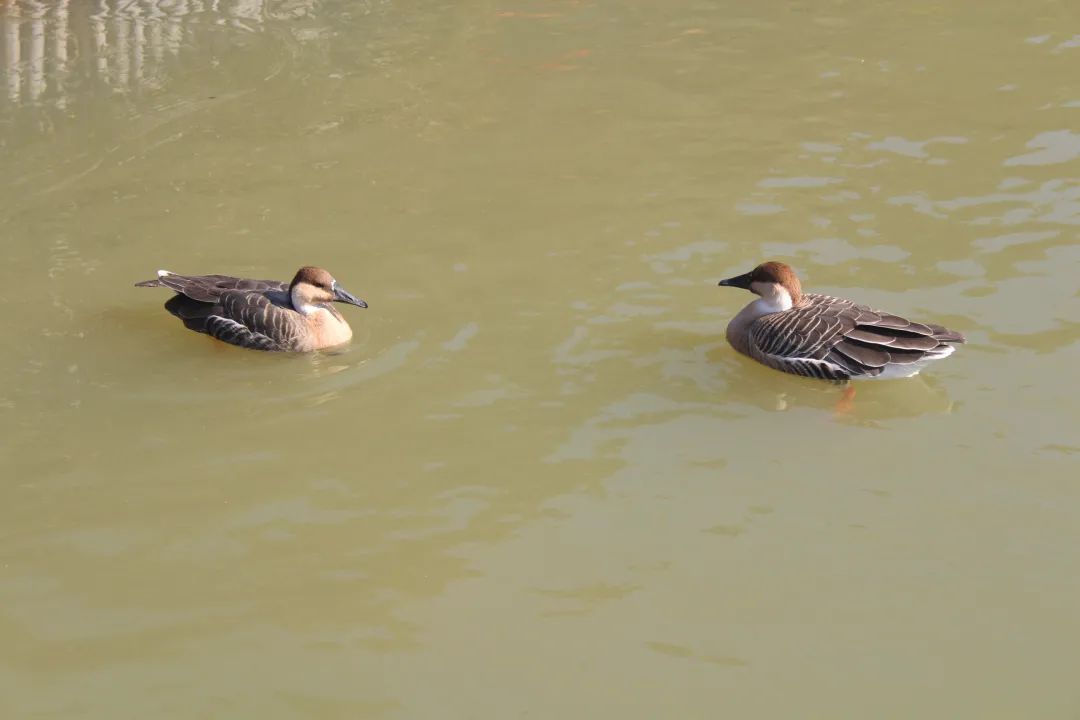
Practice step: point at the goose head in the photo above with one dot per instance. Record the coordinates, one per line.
(776, 284)
(313, 285)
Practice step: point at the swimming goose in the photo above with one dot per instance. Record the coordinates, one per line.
(261, 314)
(828, 337)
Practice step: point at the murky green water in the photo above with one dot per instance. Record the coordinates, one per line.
(539, 483)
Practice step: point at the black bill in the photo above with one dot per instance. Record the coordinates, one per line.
(739, 281)
(343, 295)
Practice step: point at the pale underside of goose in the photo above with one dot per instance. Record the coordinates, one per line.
(826, 337)
(268, 315)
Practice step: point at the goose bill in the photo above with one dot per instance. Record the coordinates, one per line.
(739, 281)
(343, 295)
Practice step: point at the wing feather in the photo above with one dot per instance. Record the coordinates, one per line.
(862, 354)
(894, 339)
(836, 338)
(208, 288)
(252, 320)
(803, 332)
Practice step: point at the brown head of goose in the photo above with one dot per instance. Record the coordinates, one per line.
(296, 316)
(827, 337)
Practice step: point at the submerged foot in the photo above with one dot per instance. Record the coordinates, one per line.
(846, 404)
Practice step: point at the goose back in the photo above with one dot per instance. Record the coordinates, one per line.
(836, 339)
(255, 314)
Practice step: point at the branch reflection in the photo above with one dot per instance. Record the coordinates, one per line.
(52, 47)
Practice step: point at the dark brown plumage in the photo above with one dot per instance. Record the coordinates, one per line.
(828, 337)
(261, 314)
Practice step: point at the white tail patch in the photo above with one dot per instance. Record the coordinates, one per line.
(893, 370)
(941, 351)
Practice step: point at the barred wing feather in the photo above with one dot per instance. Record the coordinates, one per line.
(251, 320)
(834, 339)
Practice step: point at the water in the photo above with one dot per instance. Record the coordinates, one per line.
(538, 483)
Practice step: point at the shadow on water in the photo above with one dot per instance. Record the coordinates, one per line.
(695, 364)
(871, 402)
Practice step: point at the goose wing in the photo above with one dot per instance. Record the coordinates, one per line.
(837, 335)
(253, 320)
(799, 340)
(208, 288)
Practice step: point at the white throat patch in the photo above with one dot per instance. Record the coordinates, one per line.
(304, 308)
(774, 297)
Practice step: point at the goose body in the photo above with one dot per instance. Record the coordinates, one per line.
(294, 316)
(827, 337)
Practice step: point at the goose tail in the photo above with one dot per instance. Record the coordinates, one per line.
(156, 282)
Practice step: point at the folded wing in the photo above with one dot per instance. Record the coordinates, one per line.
(835, 339)
(252, 320)
(208, 288)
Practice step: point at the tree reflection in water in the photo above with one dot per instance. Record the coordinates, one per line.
(51, 47)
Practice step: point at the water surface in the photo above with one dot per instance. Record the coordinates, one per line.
(538, 483)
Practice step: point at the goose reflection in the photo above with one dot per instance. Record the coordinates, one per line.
(874, 403)
(711, 372)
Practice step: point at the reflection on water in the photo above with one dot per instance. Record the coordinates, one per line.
(124, 44)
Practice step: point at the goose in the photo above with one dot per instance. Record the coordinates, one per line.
(261, 314)
(827, 337)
